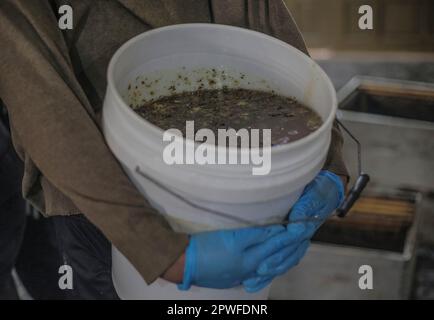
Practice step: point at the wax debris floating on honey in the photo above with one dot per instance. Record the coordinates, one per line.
(233, 108)
(157, 84)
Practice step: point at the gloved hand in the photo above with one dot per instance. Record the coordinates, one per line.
(224, 259)
(319, 199)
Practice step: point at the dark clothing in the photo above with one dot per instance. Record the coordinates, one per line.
(12, 226)
(85, 249)
(11, 167)
(12, 212)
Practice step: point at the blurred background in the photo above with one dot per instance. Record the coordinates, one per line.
(384, 78)
(385, 83)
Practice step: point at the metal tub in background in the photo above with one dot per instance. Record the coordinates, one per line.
(394, 121)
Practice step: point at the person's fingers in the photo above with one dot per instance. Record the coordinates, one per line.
(304, 209)
(309, 213)
(270, 264)
(311, 228)
(263, 250)
(301, 230)
(290, 261)
(256, 284)
(294, 259)
(277, 258)
(251, 236)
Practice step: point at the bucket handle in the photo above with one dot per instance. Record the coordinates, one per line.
(361, 181)
(246, 223)
(352, 196)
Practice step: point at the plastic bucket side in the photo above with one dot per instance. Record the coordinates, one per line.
(136, 142)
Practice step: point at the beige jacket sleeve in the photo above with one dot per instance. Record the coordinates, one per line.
(55, 126)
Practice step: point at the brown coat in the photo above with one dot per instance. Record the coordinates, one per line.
(53, 83)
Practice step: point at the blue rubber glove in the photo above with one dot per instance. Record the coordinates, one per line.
(224, 259)
(319, 199)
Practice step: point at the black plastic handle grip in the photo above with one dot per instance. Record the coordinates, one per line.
(353, 195)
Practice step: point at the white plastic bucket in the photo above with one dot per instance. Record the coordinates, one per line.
(263, 63)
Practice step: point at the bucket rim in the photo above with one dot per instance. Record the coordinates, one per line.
(276, 149)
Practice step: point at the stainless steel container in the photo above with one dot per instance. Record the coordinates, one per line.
(398, 153)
